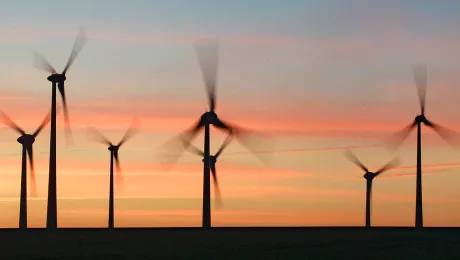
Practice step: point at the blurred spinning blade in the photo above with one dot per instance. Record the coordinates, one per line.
(208, 52)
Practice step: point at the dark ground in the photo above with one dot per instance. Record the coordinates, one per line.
(232, 243)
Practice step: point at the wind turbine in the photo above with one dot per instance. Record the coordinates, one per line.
(420, 76)
(57, 79)
(207, 52)
(369, 176)
(212, 164)
(27, 141)
(113, 155)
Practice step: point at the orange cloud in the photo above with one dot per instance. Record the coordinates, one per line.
(143, 179)
(159, 117)
(192, 218)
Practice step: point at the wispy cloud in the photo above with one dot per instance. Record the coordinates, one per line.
(300, 150)
(403, 198)
(396, 175)
(325, 149)
(431, 169)
(26, 34)
(161, 117)
(433, 166)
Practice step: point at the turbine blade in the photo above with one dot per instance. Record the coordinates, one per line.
(420, 76)
(68, 131)
(253, 141)
(398, 138)
(43, 124)
(450, 136)
(191, 148)
(97, 136)
(33, 183)
(207, 51)
(7, 120)
(224, 145)
(132, 130)
(216, 186)
(178, 144)
(352, 157)
(223, 126)
(77, 46)
(42, 64)
(393, 163)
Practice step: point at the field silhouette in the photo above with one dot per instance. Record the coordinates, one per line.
(232, 243)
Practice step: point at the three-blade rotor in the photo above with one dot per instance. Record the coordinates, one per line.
(450, 136)
(207, 52)
(41, 63)
(27, 142)
(95, 135)
(212, 164)
(352, 157)
(253, 141)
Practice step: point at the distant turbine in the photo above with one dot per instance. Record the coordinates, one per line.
(369, 176)
(420, 75)
(207, 51)
(43, 64)
(97, 136)
(212, 164)
(27, 141)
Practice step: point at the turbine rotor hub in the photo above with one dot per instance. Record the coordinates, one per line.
(26, 139)
(56, 78)
(113, 148)
(369, 175)
(209, 117)
(420, 119)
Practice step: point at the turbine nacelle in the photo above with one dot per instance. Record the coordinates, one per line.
(26, 139)
(56, 78)
(209, 117)
(369, 175)
(113, 148)
(421, 119)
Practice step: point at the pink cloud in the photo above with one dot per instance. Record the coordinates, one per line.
(160, 116)
(433, 166)
(326, 47)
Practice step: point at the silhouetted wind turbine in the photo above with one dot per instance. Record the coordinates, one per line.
(420, 75)
(212, 165)
(59, 79)
(113, 155)
(369, 176)
(27, 141)
(207, 51)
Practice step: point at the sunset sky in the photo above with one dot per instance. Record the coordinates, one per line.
(318, 76)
